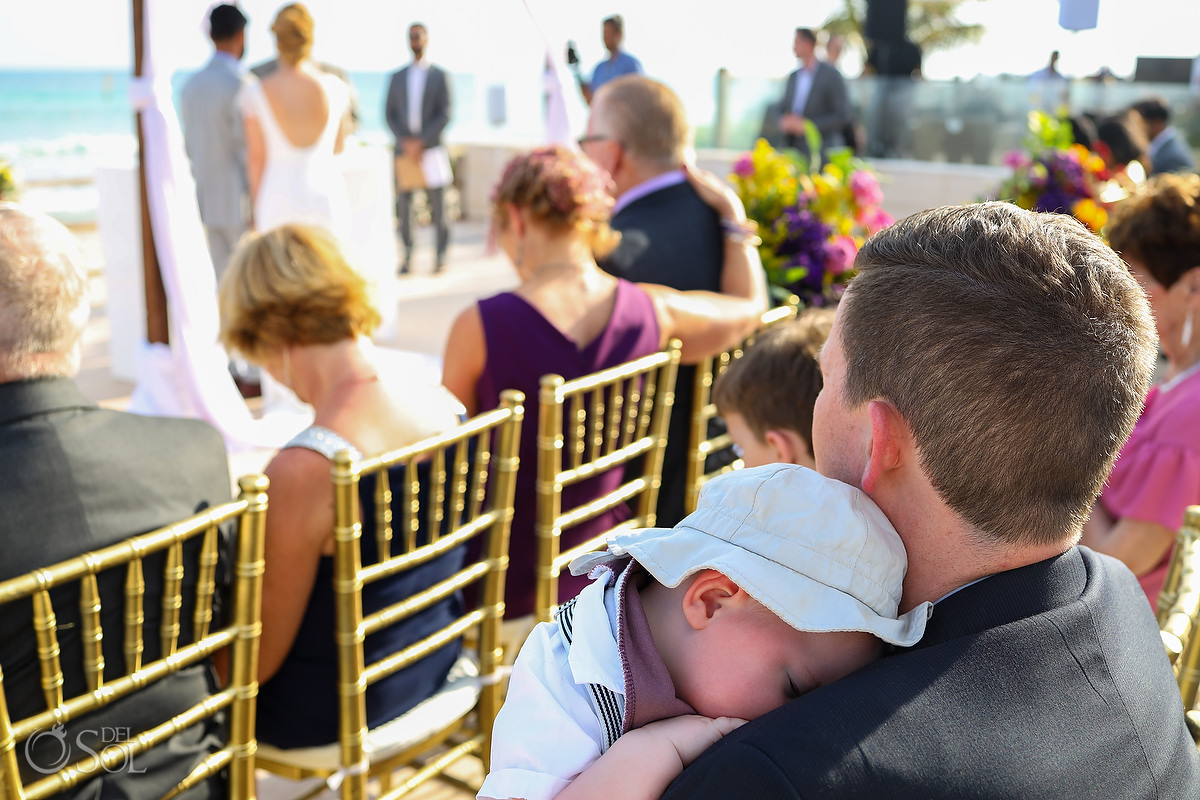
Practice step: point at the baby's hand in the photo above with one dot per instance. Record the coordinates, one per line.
(641, 764)
(690, 735)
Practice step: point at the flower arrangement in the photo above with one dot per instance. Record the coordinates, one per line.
(8, 182)
(811, 223)
(1054, 174)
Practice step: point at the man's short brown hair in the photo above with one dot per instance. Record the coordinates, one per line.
(775, 383)
(1018, 349)
(646, 117)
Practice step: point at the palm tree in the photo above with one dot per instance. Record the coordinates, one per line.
(932, 24)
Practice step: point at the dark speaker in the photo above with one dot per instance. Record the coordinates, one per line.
(886, 20)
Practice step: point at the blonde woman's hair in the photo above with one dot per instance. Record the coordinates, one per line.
(292, 286)
(562, 190)
(293, 29)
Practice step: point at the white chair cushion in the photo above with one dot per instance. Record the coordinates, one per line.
(454, 700)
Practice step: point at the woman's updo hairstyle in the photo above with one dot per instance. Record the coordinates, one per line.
(293, 29)
(562, 190)
(292, 286)
(1159, 226)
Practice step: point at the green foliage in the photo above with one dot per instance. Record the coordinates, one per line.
(932, 24)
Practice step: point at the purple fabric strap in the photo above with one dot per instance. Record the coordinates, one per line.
(649, 690)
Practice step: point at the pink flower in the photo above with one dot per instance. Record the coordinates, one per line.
(744, 166)
(875, 219)
(1015, 159)
(866, 189)
(839, 254)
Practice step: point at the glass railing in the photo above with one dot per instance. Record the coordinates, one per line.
(975, 121)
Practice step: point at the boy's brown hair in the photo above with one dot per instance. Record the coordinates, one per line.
(776, 382)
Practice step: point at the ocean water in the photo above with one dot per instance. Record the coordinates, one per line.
(56, 126)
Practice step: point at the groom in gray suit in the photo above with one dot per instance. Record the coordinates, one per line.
(212, 131)
(816, 92)
(417, 111)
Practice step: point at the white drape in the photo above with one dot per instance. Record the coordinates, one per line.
(191, 376)
(555, 78)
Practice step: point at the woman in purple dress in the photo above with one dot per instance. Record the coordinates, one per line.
(568, 317)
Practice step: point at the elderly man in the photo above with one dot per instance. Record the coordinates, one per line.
(638, 133)
(949, 400)
(74, 478)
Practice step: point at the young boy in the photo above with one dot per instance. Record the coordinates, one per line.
(767, 395)
(781, 581)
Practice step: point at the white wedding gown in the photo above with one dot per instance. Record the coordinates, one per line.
(301, 184)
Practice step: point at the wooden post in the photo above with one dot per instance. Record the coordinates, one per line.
(157, 326)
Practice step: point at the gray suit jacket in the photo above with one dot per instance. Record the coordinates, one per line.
(1173, 155)
(212, 132)
(827, 105)
(435, 108)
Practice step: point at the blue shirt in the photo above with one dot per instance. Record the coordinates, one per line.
(614, 67)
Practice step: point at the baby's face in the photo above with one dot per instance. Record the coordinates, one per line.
(752, 662)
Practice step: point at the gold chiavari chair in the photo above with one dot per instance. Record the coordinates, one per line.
(457, 490)
(193, 543)
(1179, 614)
(590, 425)
(702, 445)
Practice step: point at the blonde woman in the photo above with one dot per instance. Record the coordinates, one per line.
(293, 305)
(295, 119)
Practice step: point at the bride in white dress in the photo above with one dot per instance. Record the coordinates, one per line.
(294, 122)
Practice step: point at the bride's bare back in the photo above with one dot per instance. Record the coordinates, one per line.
(298, 103)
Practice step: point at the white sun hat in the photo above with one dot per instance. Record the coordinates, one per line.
(815, 551)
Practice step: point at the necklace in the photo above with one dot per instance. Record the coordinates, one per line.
(550, 267)
(1163, 388)
(348, 380)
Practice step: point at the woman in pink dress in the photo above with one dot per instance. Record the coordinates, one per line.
(1157, 474)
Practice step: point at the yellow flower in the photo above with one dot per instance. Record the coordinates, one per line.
(1091, 214)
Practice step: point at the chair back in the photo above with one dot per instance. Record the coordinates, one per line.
(704, 443)
(468, 500)
(1179, 607)
(589, 426)
(192, 544)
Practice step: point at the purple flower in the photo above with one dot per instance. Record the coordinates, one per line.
(744, 166)
(865, 187)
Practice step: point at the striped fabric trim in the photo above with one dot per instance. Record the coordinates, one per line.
(605, 702)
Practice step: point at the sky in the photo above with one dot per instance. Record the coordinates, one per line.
(751, 38)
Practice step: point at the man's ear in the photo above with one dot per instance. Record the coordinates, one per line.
(889, 436)
(709, 592)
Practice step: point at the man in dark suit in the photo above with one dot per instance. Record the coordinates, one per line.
(1041, 672)
(816, 93)
(637, 132)
(1168, 151)
(418, 110)
(76, 478)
